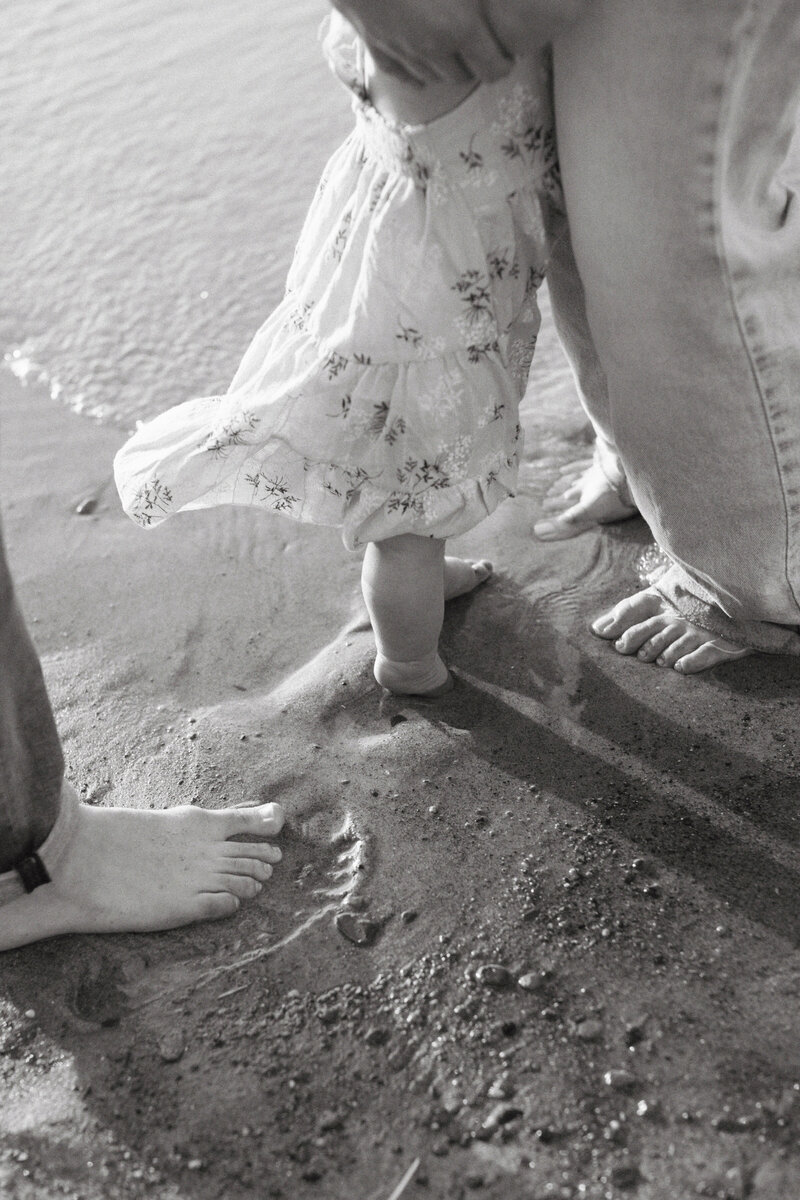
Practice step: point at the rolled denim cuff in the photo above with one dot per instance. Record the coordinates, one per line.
(52, 849)
(690, 600)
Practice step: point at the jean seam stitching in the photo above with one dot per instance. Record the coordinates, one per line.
(717, 220)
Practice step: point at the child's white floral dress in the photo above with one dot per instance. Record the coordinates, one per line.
(382, 395)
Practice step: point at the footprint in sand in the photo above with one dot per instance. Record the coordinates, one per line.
(324, 861)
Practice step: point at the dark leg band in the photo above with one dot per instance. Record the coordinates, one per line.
(32, 872)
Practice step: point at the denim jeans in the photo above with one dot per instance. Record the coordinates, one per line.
(679, 142)
(32, 813)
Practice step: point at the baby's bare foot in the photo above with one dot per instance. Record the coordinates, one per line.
(126, 870)
(582, 499)
(462, 576)
(423, 677)
(644, 625)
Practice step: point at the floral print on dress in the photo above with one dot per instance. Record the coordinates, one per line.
(382, 395)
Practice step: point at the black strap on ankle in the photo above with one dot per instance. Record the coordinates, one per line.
(32, 872)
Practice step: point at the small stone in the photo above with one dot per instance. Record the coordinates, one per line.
(501, 1089)
(533, 981)
(171, 1046)
(626, 1175)
(728, 1124)
(501, 1114)
(573, 875)
(329, 1120)
(194, 1164)
(376, 1035)
(344, 782)
(634, 1031)
(86, 507)
(589, 1031)
(433, 809)
(358, 930)
(397, 719)
(440, 1147)
(649, 1110)
(494, 975)
(408, 915)
(619, 1080)
(615, 1133)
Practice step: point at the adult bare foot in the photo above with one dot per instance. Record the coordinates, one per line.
(645, 625)
(462, 576)
(128, 870)
(582, 498)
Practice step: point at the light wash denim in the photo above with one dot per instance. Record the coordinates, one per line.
(33, 814)
(679, 141)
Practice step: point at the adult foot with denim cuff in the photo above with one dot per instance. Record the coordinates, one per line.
(126, 870)
(644, 625)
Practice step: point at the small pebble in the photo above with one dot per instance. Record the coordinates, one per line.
(501, 1089)
(376, 1035)
(501, 1114)
(615, 1133)
(358, 930)
(86, 507)
(408, 915)
(533, 981)
(397, 719)
(433, 809)
(171, 1046)
(329, 1120)
(589, 1031)
(634, 1031)
(649, 1110)
(620, 1080)
(494, 975)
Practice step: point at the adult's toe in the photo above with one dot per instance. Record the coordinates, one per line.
(633, 610)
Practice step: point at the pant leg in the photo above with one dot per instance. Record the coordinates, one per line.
(569, 315)
(677, 137)
(31, 762)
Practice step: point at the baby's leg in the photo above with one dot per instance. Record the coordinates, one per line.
(403, 585)
(406, 581)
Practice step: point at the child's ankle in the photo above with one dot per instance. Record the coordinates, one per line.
(419, 677)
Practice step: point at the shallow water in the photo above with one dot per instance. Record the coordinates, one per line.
(159, 158)
(157, 166)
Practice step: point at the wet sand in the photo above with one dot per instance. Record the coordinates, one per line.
(619, 845)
